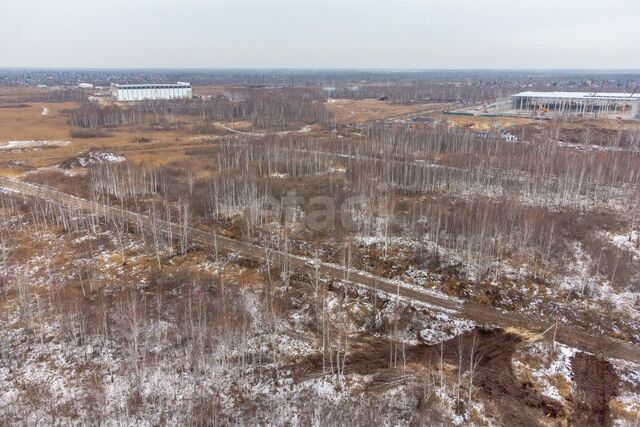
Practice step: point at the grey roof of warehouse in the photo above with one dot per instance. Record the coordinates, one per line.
(580, 95)
(152, 85)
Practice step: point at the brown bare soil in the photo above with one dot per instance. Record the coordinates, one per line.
(512, 402)
(596, 385)
(480, 123)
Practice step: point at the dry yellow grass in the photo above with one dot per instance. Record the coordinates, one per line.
(483, 123)
(622, 411)
(361, 111)
(29, 123)
(244, 126)
(525, 334)
(11, 94)
(209, 90)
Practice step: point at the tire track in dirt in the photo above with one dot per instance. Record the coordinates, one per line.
(512, 402)
(596, 383)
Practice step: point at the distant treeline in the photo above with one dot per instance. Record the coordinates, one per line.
(301, 78)
(466, 91)
(279, 109)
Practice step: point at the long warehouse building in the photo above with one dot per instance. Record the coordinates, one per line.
(143, 92)
(618, 105)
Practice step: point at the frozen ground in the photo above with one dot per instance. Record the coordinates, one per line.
(60, 364)
(31, 144)
(90, 158)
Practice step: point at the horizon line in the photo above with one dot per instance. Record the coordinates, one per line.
(313, 69)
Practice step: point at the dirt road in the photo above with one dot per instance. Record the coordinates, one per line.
(483, 314)
(596, 383)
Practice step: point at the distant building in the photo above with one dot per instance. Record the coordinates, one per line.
(509, 137)
(623, 105)
(142, 92)
(85, 86)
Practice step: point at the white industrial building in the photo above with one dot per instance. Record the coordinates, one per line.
(613, 105)
(143, 92)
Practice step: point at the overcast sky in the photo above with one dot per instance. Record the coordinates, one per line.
(321, 34)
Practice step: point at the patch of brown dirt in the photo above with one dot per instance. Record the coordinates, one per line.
(510, 401)
(596, 383)
(481, 123)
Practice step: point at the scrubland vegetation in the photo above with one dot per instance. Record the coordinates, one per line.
(114, 321)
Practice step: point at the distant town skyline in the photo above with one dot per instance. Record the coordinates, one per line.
(332, 34)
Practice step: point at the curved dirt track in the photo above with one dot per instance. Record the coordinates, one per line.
(575, 337)
(512, 402)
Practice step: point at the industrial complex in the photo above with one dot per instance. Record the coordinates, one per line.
(560, 105)
(623, 105)
(142, 92)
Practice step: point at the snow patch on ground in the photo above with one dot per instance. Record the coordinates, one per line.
(590, 147)
(628, 398)
(31, 144)
(554, 371)
(579, 278)
(444, 328)
(629, 242)
(90, 158)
